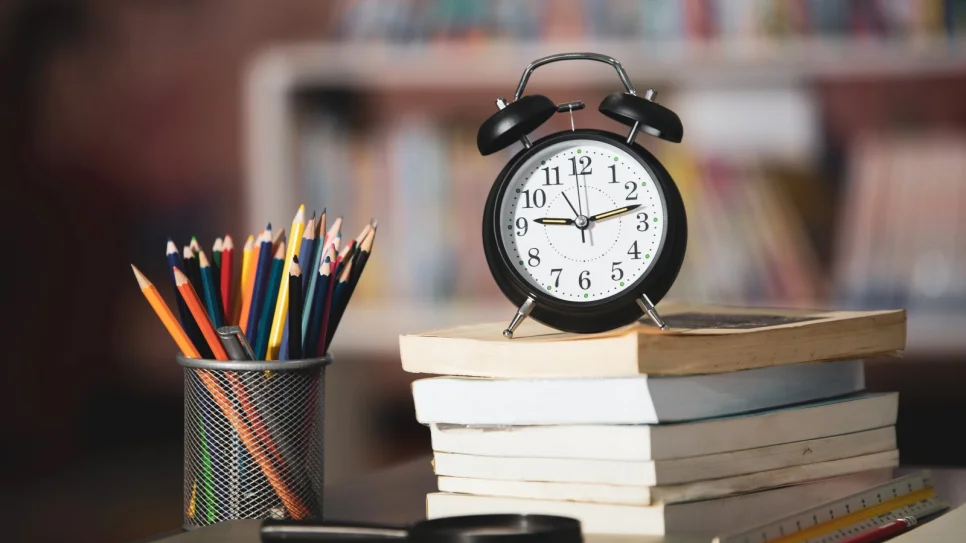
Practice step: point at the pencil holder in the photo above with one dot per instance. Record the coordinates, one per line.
(253, 439)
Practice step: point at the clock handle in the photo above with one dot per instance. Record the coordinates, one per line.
(650, 311)
(522, 313)
(574, 56)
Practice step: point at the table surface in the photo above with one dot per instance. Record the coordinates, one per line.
(398, 495)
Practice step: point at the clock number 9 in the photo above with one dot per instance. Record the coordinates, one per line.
(534, 259)
(584, 279)
(523, 227)
(539, 198)
(642, 217)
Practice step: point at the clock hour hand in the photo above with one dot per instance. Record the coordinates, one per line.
(613, 212)
(553, 221)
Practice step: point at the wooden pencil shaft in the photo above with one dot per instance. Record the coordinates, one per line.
(262, 272)
(208, 282)
(295, 317)
(268, 308)
(281, 303)
(167, 318)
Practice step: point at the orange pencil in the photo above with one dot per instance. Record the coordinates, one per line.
(208, 330)
(198, 312)
(250, 283)
(164, 313)
(227, 282)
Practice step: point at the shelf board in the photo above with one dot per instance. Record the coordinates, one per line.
(374, 328)
(501, 63)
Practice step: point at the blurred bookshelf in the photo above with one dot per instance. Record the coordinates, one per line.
(379, 117)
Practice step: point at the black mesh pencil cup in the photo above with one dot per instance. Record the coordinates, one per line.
(253, 439)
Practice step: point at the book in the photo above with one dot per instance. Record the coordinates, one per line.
(629, 400)
(701, 339)
(616, 473)
(836, 416)
(574, 486)
(707, 517)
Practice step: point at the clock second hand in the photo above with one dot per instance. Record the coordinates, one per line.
(582, 238)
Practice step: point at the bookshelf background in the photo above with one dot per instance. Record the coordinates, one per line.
(820, 165)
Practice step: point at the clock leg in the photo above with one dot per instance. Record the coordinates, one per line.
(651, 311)
(522, 313)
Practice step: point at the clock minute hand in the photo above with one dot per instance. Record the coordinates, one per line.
(553, 221)
(613, 212)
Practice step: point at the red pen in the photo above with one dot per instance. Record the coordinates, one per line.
(880, 533)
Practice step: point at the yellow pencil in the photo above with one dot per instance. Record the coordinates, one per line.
(246, 263)
(281, 305)
(164, 313)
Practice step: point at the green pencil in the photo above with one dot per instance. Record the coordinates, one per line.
(210, 288)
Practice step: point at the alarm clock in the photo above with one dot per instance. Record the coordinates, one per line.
(584, 230)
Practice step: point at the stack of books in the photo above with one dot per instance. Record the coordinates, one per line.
(732, 417)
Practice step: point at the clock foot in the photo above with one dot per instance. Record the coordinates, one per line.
(651, 311)
(522, 313)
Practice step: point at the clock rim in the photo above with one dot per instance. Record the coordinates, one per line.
(606, 313)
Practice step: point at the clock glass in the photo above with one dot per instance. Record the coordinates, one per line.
(582, 220)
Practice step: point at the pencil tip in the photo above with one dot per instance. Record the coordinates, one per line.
(179, 277)
(142, 280)
(268, 226)
(280, 253)
(202, 259)
(295, 258)
(171, 248)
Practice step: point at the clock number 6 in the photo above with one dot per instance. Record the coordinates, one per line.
(642, 217)
(616, 273)
(584, 279)
(557, 271)
(534, 259)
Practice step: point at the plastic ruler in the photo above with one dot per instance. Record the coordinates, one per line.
(844, 518)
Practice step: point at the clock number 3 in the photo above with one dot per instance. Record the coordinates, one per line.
(642, 224)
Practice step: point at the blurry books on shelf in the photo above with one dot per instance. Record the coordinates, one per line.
(728, 21)
(655, 447)
(902, 232)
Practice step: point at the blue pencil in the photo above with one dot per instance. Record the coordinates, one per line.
(187, 321)
(307, 253)
(262, 270)
(268, 308)
(315, 309)
(210, 288)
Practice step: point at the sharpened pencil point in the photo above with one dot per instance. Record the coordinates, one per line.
(203, 260)
(280, 253)
(228, 244)
(179, 277)
(142, 280)
(218, 245)
(188, 253)
(171, 248)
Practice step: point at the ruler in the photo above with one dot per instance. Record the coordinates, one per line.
(909, 496)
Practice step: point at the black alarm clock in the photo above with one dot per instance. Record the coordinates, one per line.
(584, 230)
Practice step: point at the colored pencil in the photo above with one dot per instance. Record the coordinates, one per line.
(307, 252)
(216, 250)
(268, 305)
(187, 349)
(173, 257)
(362, 256)
(354, 268)
(249, 279)
(279, 237)
(195, 246)
(209, 290)
(281, 303)
(164, 313)
(291, 502)
(310, 294)
(194, 304)
(198, 312)
(295, 310)
(335, 308)
(262, 271)
(315, 308)
(191, 268)
(227, 282)
(335, 231)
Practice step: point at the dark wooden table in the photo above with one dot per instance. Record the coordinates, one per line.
(398, 496)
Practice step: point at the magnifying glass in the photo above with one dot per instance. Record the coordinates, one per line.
(509, 528)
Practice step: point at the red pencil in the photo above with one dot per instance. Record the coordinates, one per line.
(881, 533)
(227, 277)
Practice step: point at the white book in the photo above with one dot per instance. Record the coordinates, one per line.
(673, 493)
(837, 416)
(649, 473)
(629, 400)
(708, 517)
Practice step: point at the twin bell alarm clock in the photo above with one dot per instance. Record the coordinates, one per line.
(584, 230)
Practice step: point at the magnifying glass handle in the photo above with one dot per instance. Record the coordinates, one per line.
(273, 530)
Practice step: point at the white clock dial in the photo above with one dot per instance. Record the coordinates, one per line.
(574, 184)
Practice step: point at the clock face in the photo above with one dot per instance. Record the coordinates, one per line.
(582, 220)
